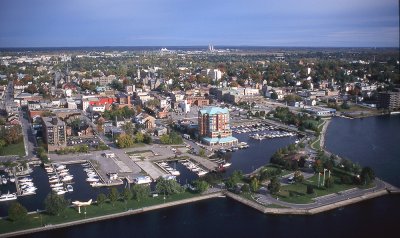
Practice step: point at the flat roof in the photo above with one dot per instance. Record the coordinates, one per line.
(220, 140)
(214, 110)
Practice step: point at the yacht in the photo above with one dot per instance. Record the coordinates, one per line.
(4, 180)
(202, 172)
(61, 167)
(54, 180)
(26, 179)
(92, 179)
(61, 192)
(12, 179)
(8, 197)
(67, 178)
(226, 165)
(175, 172)
(142, 180)
(56, 185)
(70, 188)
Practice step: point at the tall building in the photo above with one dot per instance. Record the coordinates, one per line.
(389, 100)
(54, 133)
(214, 126)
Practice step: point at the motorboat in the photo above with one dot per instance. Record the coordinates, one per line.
(61, 192)
(92, 179)
(4, 180)
(60, 167)
(226, 165)
(12, 179)
(175, 172)
(67, 178)
(56, 180)
(26, 179)
(202, 172)
(142, 180)
(56, 189)
(56, 185)
(8, 197)
(70, 188)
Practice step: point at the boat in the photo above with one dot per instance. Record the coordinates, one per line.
(56, 180)
(24, 192)
(56, 185)
(202, 172)
(4, 180)
(12, 179)
(175, 172)
(56, 189)
(64, 174)
(67, 178)
(53, 177)
(169, 177)
(96, 184)
(8, 197)
(226, 165)
(26, 179)
(142, 180)
(60, 167)
(70, 188)
(61, 192)
(92, 179)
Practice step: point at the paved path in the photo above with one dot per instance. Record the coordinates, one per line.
(151, 169)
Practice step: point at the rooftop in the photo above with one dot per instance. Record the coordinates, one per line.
(214, 110)
(220, 140)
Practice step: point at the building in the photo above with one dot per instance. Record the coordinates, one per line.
(54, 133)
(320, 111)
(145, 120)
(389, 100)
(214, 126)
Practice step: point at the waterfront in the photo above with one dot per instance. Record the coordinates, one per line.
(372, 141)
(226, 218)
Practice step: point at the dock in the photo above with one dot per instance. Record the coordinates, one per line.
(208, 164)
(151, 169)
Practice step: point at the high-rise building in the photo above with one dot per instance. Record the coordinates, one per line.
(54, 133)
(389, 100)
(214, 126)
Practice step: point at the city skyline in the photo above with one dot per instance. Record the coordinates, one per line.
(310, 23)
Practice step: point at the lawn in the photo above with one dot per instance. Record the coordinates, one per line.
(71, 214)
(13, 149)
(297, 193)
(273, 167)
(316, 145)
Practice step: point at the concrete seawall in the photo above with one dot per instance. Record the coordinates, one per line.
(112, 216)
(297, 211)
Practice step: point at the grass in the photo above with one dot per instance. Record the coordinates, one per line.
(13, 149)
(316, 145)
(296, 193)
(71, 213)
(273, 167)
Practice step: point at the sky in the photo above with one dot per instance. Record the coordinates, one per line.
(304, 23)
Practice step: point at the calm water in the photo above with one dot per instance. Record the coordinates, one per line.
(373, 142)
(370, 141)
(227, 218)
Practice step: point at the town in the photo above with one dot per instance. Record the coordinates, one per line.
(176, 117)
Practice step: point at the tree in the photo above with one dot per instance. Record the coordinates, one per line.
(164, 139)
(274, 186)
(140, 192)
(101, 199)
(128, 128)
(126, 194)
(13, 135)
(168, 187)
(298, 177)
(301, 162)
(202, 152)
(274, 95)
(125, 141)
(139, 137)
(245, 188)
(254, 185)
(31, 89)
(113, 195)
(329, 182)
(200, 185)
(17, 212)
(367, 175)
(55, 204)
(147, 139)
(2, 143)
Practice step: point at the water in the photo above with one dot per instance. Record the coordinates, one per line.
(226, 218)
(370, 141)
(373, 141)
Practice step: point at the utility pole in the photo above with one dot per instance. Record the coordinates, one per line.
(323, 182)
(319, 175)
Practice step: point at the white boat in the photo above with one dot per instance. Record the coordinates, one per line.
(64, 174)
(26, 183)
(142, 180)
(56, 180)
(28, 192)
(64, 171)
(4, 180)
(70, 188)
(67, 178)
(96, 184)
(12, 179)
(169, 177)
(8, 197)
(175, 172)
(53, 177)
(61, 167)
(202, 172)
(92, 179)
(226, 165)
(56, 189)
(26, 179)
(61, 192)
(56, 185)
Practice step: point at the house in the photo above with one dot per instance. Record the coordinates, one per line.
(145, 120)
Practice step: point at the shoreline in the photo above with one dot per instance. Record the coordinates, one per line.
(219, 194)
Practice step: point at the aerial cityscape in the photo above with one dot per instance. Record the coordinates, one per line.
(260, 118)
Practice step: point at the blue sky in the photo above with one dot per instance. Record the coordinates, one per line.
(52, 23)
